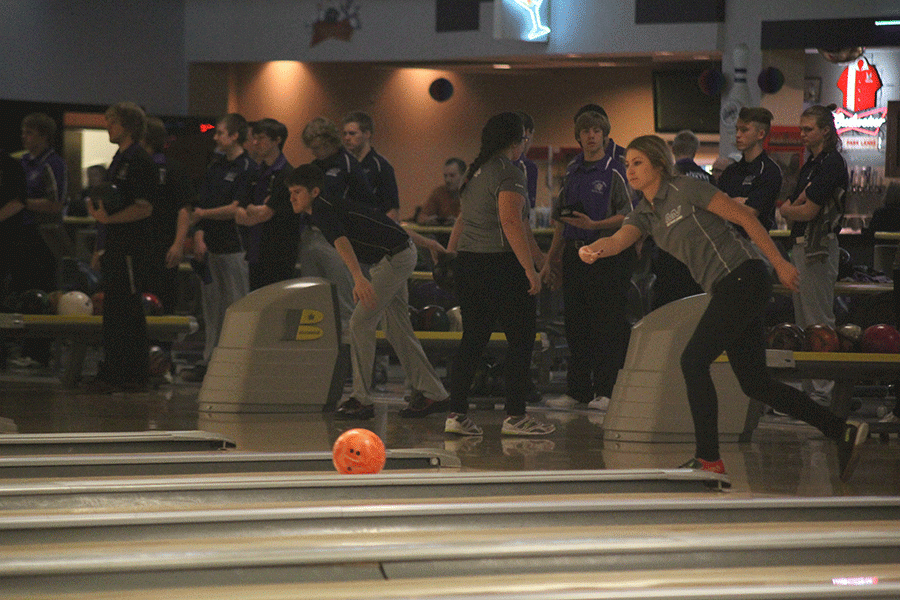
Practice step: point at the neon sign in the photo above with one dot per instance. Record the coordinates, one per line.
(532, 7)
(868, 122)
(525, 20)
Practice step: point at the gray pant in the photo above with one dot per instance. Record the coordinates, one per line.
(814, 303)
(389, 277)
(229, 283)
(318, 258)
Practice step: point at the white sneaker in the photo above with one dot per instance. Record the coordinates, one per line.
(564, 401)
(599, 403)
(461, 425)
(889, 418)
(24, 362)
(525, 425)
(525, 447)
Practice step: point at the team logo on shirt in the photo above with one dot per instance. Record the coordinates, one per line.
(673, 216)
(333, 172)
(599, 187)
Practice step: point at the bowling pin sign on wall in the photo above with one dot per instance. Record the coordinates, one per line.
(738, 97)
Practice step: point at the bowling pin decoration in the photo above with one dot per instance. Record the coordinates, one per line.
(738, 97)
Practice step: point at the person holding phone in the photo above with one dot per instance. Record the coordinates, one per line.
(592, 204)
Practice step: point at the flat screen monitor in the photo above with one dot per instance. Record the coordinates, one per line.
(679, 103)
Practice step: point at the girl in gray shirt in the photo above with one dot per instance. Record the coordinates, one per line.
(689, 219)
(496, 279)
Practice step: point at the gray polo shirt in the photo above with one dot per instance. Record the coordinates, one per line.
(681, 225)
(479, 209)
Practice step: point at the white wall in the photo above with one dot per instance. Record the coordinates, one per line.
(103, 51)
(401, 30)
(97, 52)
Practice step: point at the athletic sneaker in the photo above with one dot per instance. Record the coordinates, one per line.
(698, 464)
(599, 403)
(525, 425)
(717, 467)
(25, 362)
(855, 435)
(461, 424)
(354, 410)
(564, 401)
(422, 406)
(890, 418)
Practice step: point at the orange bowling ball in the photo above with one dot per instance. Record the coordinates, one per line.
(358, 452)
(821, 338)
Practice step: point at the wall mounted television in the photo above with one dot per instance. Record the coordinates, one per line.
(892, 154)
(679, 103)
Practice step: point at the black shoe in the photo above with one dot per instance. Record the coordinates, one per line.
(354, 410)
(134, 388)
(855, 435)
(422, 406)
(194, 375)
(100, 386)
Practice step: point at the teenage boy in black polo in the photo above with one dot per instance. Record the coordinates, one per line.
(216, 239)
(365, 236)
(756, 179)
(272, 228)
(123, 210)
(356, 136)
(174, 194)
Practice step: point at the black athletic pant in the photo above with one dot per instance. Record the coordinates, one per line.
(734, 322)
(125, 342)
(33, 268)
(265, 273)
(493, 288)
(595, 298)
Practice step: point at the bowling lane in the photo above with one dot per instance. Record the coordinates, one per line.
(198, 463)
(99, 443)
(144, 564)
(777, 583)
(228, 490)
(404, 517)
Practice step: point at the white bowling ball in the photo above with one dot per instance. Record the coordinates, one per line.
(75, 303)
(455, 315)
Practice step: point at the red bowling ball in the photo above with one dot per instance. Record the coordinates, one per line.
(881, 338)
(97, 301)
(152, 305)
